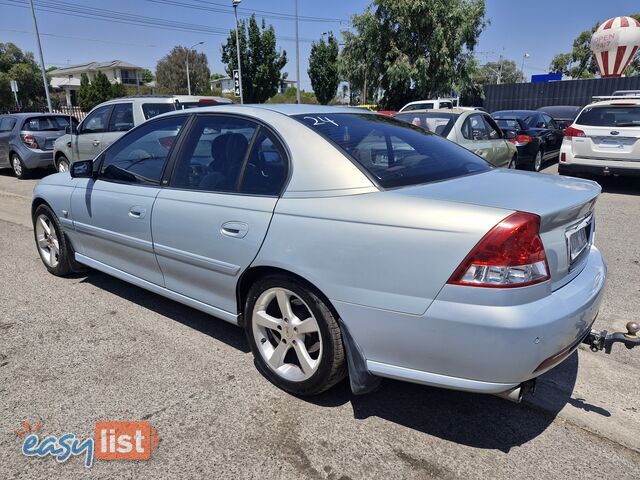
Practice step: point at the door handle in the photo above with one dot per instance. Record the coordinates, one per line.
(96, 143)
(137, 212)
(235, 229)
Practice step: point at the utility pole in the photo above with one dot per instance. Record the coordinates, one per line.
(499, 71)
(525, 56)
(297, 55)
(235, 11)
(189, 53)
(44, 73)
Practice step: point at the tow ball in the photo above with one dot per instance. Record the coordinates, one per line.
(604, 341)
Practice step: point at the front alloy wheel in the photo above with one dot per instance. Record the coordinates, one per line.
(53, 247)
(294, 336)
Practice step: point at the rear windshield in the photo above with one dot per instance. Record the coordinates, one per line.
(418, 106)
(610, 116)
(508, 123)
(151, 110)
(438, 123)
(395, 153)
(52, 123)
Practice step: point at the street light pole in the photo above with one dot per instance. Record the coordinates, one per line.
(235, 11)
(525, 56)
(188, 53)
(297, 55)
(44, 73)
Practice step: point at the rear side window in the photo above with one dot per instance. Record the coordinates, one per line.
(121, 118)
(610, 116)
(7, 124)
(438, 123)
(41, 124)
(395, 153)
(151, 110)
(474, 128)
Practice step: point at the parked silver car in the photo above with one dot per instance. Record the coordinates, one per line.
(341, 241)
(26, 140)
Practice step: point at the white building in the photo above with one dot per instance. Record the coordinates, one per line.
(226, 85)
(117, 71)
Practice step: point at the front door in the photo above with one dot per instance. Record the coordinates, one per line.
(87, 144)
(112, 213)
(209, 225)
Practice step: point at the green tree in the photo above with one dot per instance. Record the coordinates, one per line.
(101, 87)
(21, 67)
(413, 48)
(323, 69)
(561, 63)
(505, 70)
(118, 90)
(261, 62)
(147, 76)
(171, 72)
(85, 94)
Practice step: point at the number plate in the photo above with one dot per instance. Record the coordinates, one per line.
(579, 238)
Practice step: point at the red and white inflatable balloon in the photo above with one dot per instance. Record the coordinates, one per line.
(615, 44)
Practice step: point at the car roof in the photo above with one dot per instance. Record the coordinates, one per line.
(288, 109)
(621, 101)
(516, 112)
(34, 114)
(440, 110)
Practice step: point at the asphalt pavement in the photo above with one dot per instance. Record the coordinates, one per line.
(77, 350)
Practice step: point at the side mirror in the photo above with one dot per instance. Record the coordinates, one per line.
(71, 130)
(82, 169)
(510, 135)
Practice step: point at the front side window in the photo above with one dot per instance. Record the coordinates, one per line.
(140, 156)
(214, 154)
(150, 110)
(121, 118)
(96, 121)
(610, 116)
(395, 153)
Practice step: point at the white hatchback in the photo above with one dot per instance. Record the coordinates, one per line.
(604, 139)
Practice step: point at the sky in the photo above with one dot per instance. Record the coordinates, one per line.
(541, 28)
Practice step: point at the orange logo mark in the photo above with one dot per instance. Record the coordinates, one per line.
(125, 440)
(27, 429)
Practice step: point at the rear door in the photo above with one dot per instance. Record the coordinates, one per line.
(6, 127)
(210, 223)
(611, 132)
(87, 144)
(120, 122)
(476, 137)
(501, 152)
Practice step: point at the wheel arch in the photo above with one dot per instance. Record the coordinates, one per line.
(36, 203)
(253, 274)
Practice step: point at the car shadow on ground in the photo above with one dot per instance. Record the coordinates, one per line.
(616, 184)
(481, 421)
(35, 174)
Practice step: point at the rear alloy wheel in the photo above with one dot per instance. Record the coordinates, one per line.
(294, 337)
(19, 169)
(62, 164)
(537, 162)
(53, 247)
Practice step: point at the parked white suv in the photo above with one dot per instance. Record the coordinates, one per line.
(604, 139)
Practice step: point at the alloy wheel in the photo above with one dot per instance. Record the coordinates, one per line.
(48, 244)
(537, 165)
(287, 334)
(63, 165)
(17, 165)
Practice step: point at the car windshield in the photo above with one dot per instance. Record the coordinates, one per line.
(395, 153)
(439, 123)
(151, 110)
(610, 116)
(52, 123)
(419, 106)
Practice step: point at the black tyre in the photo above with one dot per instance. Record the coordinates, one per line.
(62, 164)
(294, 336)
(53, 246)
(19, 168)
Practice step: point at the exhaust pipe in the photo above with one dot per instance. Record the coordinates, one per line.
(515, 394)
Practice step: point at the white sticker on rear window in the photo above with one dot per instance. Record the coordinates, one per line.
(321, 121)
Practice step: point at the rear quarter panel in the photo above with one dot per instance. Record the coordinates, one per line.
(381, 250)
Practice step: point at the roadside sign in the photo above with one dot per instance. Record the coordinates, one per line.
(236, 82)
(14, 86)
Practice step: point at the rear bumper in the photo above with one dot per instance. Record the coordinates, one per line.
(36, 158)
(577, 169)
(464, 344)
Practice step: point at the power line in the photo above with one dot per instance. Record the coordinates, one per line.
(80, 38)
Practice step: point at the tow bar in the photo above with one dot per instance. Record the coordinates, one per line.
(598, 341)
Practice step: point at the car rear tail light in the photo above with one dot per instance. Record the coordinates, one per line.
(510, 255)
(29, 141)
(571, 132)
(521, 139)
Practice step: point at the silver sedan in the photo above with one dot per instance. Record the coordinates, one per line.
(345, 243)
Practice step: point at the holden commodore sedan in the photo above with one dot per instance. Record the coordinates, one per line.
(343, 242)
